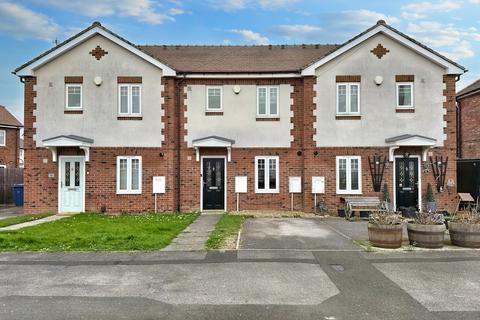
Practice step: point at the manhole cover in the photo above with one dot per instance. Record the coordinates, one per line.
(337, 267)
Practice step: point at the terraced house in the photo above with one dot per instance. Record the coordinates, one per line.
(104, 118)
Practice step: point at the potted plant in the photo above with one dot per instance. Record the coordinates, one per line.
(385, 229)
(427, 230)
(386, 197)
(465, 229)
(431, 203)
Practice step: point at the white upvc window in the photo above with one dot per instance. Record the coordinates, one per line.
(266, 174)
(130, 99)
(405, 95)
(3, 138)
(348, 98)
(268, 101)
(73, 96)
(129, 175)
(214, 98)
(349, 174)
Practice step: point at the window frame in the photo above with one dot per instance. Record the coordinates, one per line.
(348, 190)
(69, 85)
(4, 143)
(348, 111)
(129, 189)
(397, 96)
(268, 114)
(207, 106)
(129, 100)
(267, 188)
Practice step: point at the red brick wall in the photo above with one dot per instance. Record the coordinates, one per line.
(470, 126)
(9, 153)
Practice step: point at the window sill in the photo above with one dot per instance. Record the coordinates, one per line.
(267, 192)
(348, 117)
(128, 192)
(346, 193)
(129, 118)
(268, 119)
(214, 113)
(405, 110)
(73, 111)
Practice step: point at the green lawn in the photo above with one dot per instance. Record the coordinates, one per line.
(23, 218)
(96, 232)
(225, 234)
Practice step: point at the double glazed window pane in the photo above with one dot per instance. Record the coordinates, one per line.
(354, 174)
(135, 99)
(261, 174)
(342, 174)
(2, 137)
(262, 101)
(130, 97)
(135, 174)
(272, 177)
(74, 96)
(124, 99)
(405, 95)
(214, 98)
(273, 101)
(267, 174)
(348, 174)
(342, 98)
(348, 98)
(123, 173)
(129, 174)
(353, 98)
(267, 101)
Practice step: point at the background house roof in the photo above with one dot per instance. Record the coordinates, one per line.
(469, 89)
(225, 59)
(8, 119)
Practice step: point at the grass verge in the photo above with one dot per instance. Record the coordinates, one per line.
(96, 232)
(225, 234)
(21, 219)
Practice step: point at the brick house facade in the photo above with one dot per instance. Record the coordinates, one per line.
(175, 131)
(468, 101)
(9, 139)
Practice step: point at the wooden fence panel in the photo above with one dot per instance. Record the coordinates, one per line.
(8, 178)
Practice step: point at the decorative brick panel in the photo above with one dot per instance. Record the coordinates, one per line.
(399, 110)
(348, 117)
(129, 118)
(348, 78)
(73, 111)
(405, 78)
(214, 113)
(129, 79)
(266, 119)
(74, 79)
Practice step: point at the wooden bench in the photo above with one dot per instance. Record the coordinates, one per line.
(361, 204)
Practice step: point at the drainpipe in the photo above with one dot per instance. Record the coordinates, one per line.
(459, 130)
(178, 134)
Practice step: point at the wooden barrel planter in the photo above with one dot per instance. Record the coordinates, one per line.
(385, 236)
(426, 235)
(464, 234)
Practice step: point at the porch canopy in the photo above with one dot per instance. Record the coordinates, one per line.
(410, 140)
(213, 142)
(68, 141)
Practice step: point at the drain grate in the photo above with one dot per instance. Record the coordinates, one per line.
(337, 267)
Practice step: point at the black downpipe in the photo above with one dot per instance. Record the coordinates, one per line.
(178, 96)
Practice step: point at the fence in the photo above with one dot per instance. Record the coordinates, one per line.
(9, 177)
(468, 177)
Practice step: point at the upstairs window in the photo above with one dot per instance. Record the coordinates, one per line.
(266, 175)
(267, 101)
(3, 138)
(349, 175)
(404, 94)
(129, 175)
(348, 98)
(214, 99)
(130, 99)
(73, 96)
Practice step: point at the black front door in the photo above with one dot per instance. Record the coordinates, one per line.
(213, 183)
(406, 180)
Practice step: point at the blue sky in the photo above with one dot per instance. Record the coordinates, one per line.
(29, 27)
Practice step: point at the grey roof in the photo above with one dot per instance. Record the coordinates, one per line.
(469, 89)
(71, 136)
(215, 137)
(8, 119)
(407, 136)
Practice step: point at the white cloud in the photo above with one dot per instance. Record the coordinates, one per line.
(460, 51)
(298, 31)
(419, 10)
(366, 18)
(251, 36)
(235, 5)
(142, 10)
(21, 22)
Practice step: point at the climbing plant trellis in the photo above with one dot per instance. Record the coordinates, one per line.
(439, 169)
(377, 168)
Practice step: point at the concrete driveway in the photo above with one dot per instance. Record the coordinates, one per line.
(294, 233)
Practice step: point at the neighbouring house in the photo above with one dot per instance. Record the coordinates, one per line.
(468, 139)
(104, 118)
(9, 139)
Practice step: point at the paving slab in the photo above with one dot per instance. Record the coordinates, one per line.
(356, 230)
(292, 233)
(195, 235)
(33, 223)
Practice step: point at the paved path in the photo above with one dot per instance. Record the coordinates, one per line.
(33, 223)
(195, 235)
(10, 211)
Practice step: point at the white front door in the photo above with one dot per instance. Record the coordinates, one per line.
(71, 184)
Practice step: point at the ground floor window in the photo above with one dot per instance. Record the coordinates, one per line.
(129, 175)
(349, 175)
(266, 174)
